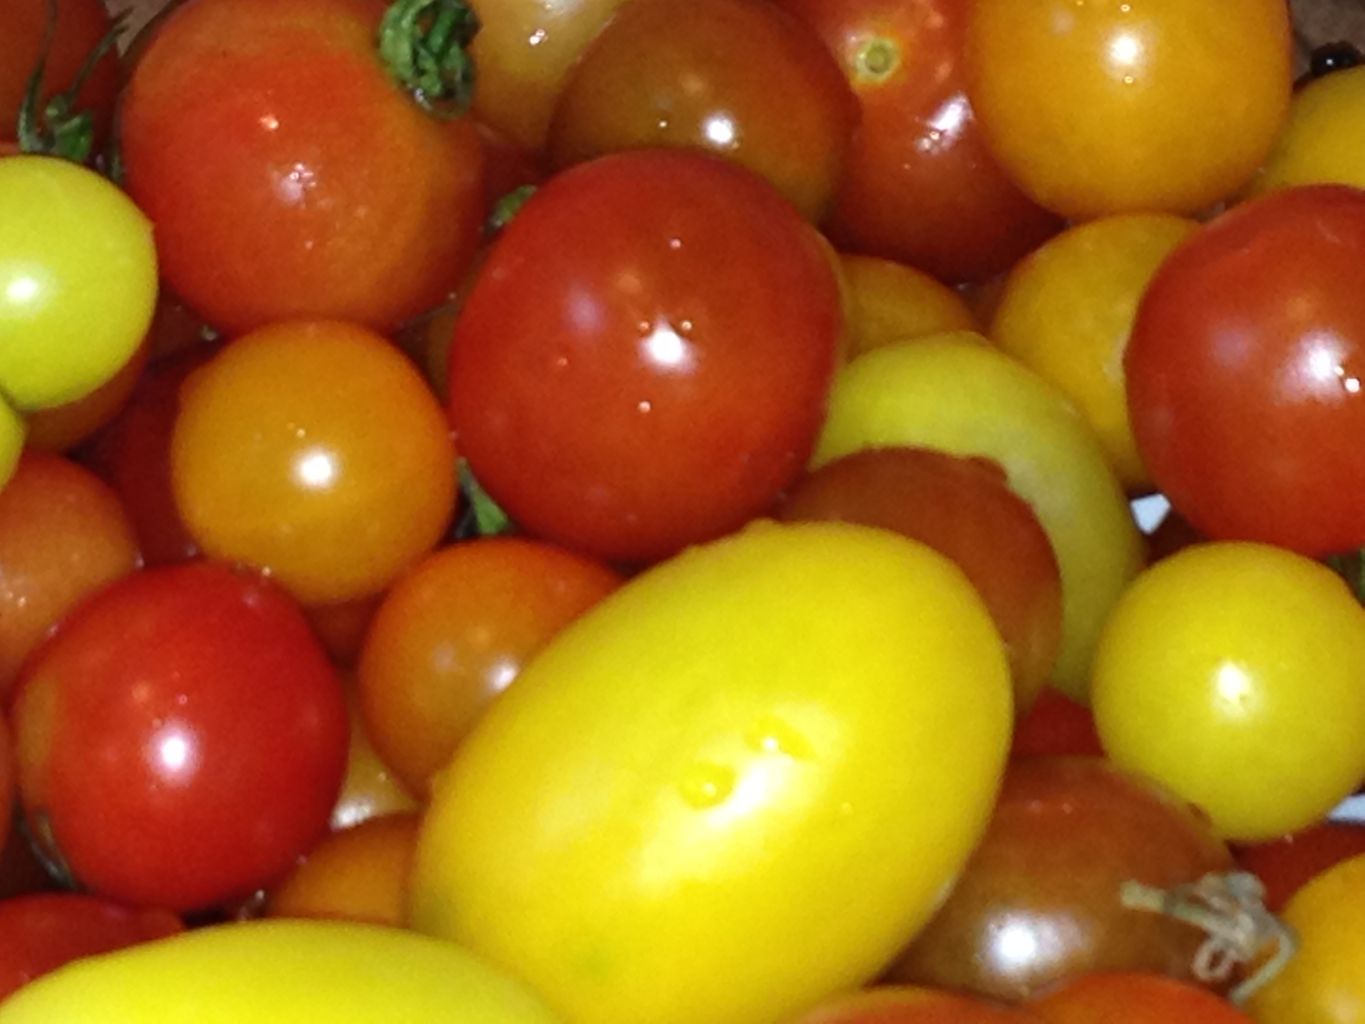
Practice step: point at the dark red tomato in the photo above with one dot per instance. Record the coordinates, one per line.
(906, 1004)
(738, 78)
(1039, 900)
(181, 739)
(919, 185)
(42, 932)
(1134, 998)
(6, 782)
(1285, 865)
(305, 183)
(645, 358)
(81, 24)
(963, 508)
(1056, 725)
(1246, 373)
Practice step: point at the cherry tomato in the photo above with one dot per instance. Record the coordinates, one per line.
(370, 789)
(314, 450)
(342, 627)
(6, 785)
(891, 302)
(1245, 370)
(454, 633)
(907, 1004)
(658, 381)
(1117, 106)
(962, 508)
(40, 933)
(64, 427)
(1039, 900)
(1284, 865)
(920, 185)
(181, 739)
(1231, 673)
(738, 78)
(63, 536)
(1105, 997)
(1322, 141)
(1056, 725)
(306, 183)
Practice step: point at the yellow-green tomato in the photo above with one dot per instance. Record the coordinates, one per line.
(1234, 673)
(12, 432)
(1324, 140)
(736, 786)
(956, 394)
(280, 972)
(78, 280)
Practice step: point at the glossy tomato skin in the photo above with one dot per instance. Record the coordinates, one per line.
(1133, 998)
(41, 932)
(907, 1004)
(1039, 900)
(643, 361)
(306, 184)
(182, 739)
(920, 185)
(1246, 373)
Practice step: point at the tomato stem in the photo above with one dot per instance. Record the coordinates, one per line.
(57, 128)
(1230, 909)
(424, 44)
(507, 207)
(483, 516)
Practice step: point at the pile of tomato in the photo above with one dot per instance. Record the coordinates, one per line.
(641, 511)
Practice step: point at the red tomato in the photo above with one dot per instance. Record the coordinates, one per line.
(1245, 370)
(1285, 865)
(1103, 998)
(644, 360)
(6, 784)
(40, 933)
(919, 185)
(1056, 725)
(306, 184)
(181, 739)
(906, 1004)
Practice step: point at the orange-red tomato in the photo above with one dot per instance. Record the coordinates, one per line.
(908, 1004)
(1056, 725)
(1134, 998)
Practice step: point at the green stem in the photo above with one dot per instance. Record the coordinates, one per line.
(507, 207)
(424, 44)
(483, 516)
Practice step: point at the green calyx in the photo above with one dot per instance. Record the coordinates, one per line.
(57, 127)
(424, 44)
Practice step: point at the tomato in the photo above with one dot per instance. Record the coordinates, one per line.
(1056, 725)
(6, 787)
(40, 933)
(658, 381)
(306, 184)
(63, 536)
(649, 824)
(1067, 311)
(280, 972)
(1324, 981)
(920, 185)
(738, 78)
(181, 739)
(1322, 141)
(78, 280)
(964, 509)
(81, 24)
(341, 627)
(370, 789)
(906, 1004)
(966, 398)
(1135, 999)
(454, 633)
(1241, 357)
(314, 450)
(1117, 106)
(1231, 672)
(1284, 865)
(892, 302)
(1039, 901)
(64, 427)
(358, 874)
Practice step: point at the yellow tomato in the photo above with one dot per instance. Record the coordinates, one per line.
(889, 301)
(78, 280)
(1067, 311)
(1324, 983)
(1234, 673)
(280, 972)
(1114, 106)
(964, 397)
(1324, 140)
(732, 788)
(11, 440)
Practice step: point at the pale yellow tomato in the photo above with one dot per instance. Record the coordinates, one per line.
(957, 394)
(733, 787)
(280, 972)
(11, 440)
(1234, 674)
(78, 280)
(889, 301)
(1324, 982)
(1324, 140)
(1067, 311)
